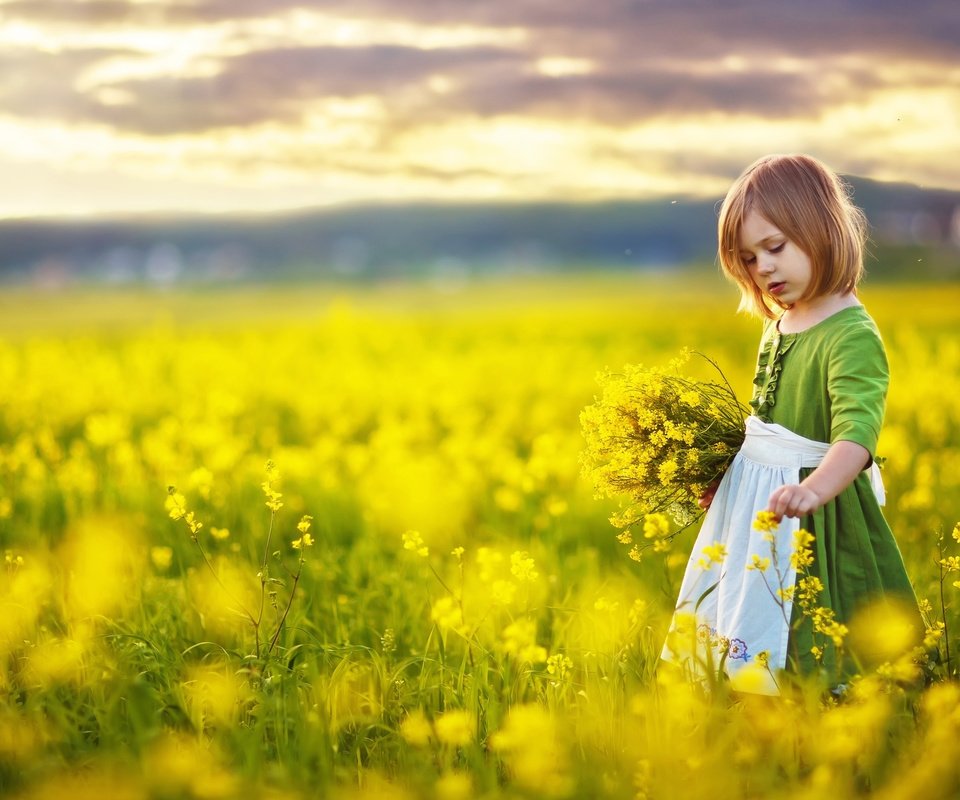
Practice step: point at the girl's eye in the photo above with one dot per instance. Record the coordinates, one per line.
(778, 248)
(747, 259)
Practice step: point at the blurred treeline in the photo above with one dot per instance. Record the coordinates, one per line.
(915, 235)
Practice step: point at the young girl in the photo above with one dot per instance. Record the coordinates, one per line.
(793, 242)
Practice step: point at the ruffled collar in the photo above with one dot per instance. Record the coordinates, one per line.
(769, 366)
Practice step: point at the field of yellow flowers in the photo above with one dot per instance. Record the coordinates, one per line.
(306, 541)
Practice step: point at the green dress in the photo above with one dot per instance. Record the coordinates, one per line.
(829, 383)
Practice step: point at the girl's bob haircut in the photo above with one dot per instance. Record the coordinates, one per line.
(811, 206)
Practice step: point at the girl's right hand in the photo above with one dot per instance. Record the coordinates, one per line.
(706, 498)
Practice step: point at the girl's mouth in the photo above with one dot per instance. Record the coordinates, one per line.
(776, 288)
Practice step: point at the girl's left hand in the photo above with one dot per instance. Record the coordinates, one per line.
(706, 498)
(793, 500)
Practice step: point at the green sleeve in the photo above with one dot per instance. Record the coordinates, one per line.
(857, 379)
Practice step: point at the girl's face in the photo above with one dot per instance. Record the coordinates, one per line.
(780, 269)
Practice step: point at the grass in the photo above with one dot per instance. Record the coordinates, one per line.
(524, 666)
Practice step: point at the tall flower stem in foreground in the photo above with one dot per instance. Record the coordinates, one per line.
(300, 545)
(264, 643)
(274, 503)
(177, 510)
(944, 567)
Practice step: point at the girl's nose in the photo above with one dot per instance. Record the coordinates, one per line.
(765, 265)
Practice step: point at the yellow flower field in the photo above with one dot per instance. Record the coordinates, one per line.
(419, 596)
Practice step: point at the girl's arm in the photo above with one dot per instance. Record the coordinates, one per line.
(842, 463)
(857, 379)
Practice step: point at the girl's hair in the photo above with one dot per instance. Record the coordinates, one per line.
(811, 206)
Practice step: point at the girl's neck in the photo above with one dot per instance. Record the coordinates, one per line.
(807, 313)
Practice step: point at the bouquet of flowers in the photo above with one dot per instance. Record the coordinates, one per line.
(659, 439)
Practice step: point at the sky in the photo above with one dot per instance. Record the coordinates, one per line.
(125, 106)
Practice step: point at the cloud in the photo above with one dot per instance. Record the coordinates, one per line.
(931, 29)
(32, 82)
(681, 57)
(629, 97)
(281, 85)
(370, 89)
(93, 12)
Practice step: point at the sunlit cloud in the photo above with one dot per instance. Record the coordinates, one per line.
(269, 104)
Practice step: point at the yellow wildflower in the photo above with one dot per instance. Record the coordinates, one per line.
(519, 639)
(531, 743)
(655, 526)
(802, 555)
(661, 546)
(903, 670)
(412, 540)
(758, 563)
(810, 587)
(162, 557)
(950, 563)
(193, 523)
(825, 623)
(605, 604)
(447, 615)
(933, 635)
(269, 490)
(559, 666)
(304, 541)
(176, 503)
(416, 729)
(766, 521)
(454, 786)
(714, 554)
(522, 566)
(667, 471)
(455, 728)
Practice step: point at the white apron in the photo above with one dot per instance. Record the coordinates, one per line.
(742, 617)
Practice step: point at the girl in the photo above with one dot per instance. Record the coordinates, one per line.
(793, 242)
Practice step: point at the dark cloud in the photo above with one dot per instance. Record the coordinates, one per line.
(527, 13)
(278, 85)
(256, 87)
(94, 12)
(36, 83)
(651, 58)
(927, 29)
(631, 96)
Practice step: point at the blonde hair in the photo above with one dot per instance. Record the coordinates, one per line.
(809, 203)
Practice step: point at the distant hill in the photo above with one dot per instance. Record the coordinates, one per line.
(916, 232)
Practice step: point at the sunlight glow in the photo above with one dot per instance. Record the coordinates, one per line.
(558, 67)
(337, 154)
(425, 140)
(304, 27)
